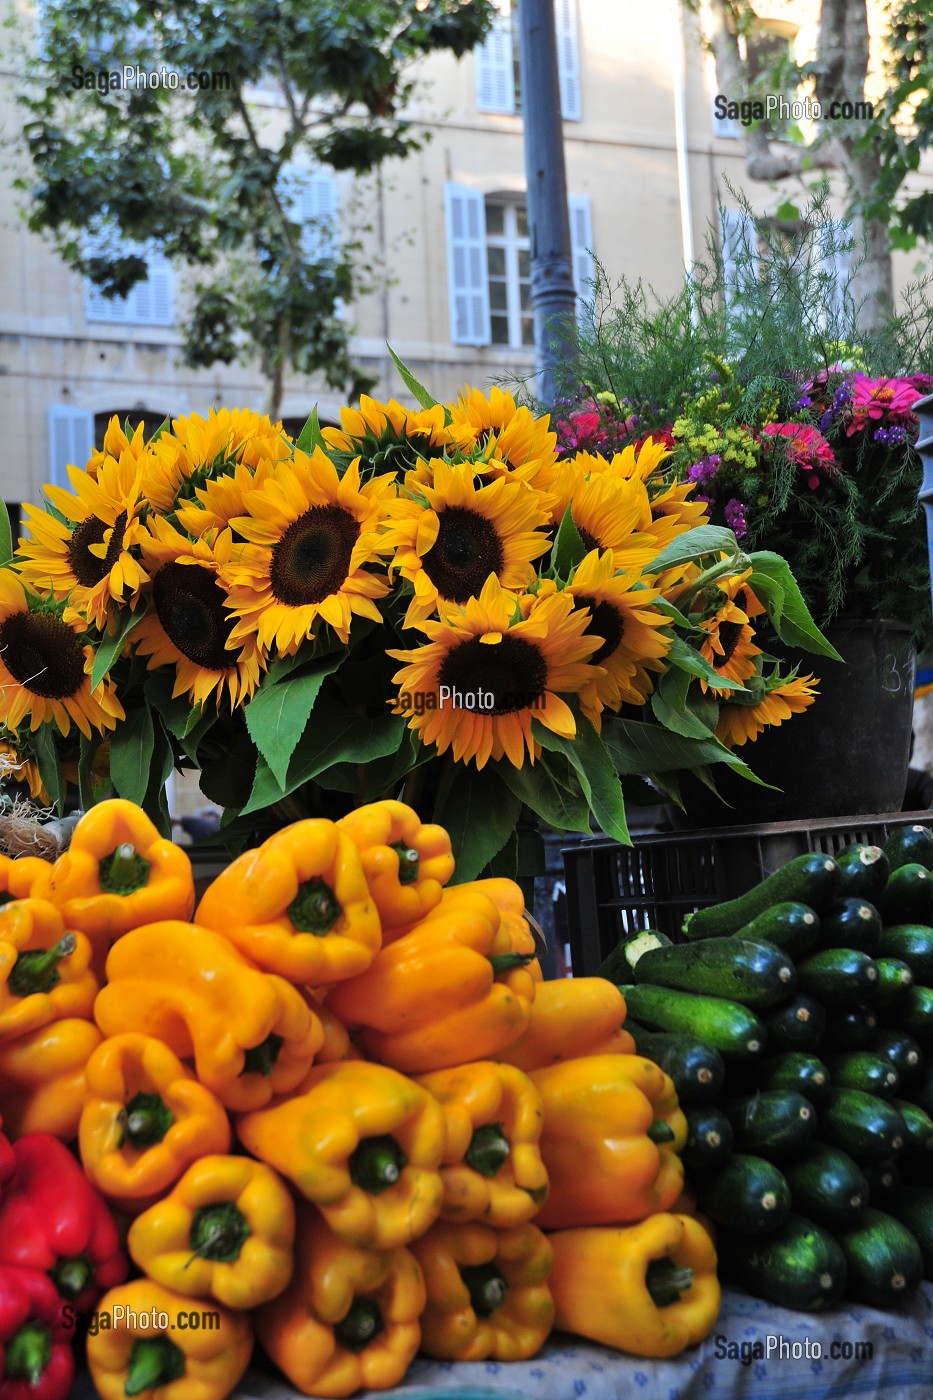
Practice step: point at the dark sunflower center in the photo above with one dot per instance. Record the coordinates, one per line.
(312, 559)
(43, 654)
(513, 672)
(729, 634)
(466, 552)
(606, 622)
(189, 603)
(87, 568)
(589, 541)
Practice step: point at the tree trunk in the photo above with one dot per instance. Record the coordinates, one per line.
(275, 368)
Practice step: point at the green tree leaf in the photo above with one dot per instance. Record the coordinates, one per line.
(772, 581)
(549, 789)
(110, 647)
(693, 544)
(417, 390)
(277, 715)
(685, 658)
(480, 815)
(669, 706)
(599, 780)
(131, 746)
(569, 549)
(637, 747)
(6, 536)
(49, 763)
(311, 436)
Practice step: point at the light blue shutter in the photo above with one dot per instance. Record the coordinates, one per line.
(71, 441)
(739, 252)
(495, 75)
(568, 58)
(581, 243)
(467, 272)
(150, 303)
(312, 200)
(836, 262)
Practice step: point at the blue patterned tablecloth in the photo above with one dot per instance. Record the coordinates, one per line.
(900, 1367)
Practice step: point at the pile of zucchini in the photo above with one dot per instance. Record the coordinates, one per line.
(797, 1024)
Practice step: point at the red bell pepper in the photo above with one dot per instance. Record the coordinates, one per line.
(36, 1358)
(7, 1160)
(54, 1220)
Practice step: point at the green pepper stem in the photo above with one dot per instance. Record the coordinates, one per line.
(218, 1232)
(124, 871)
(28, 1352)
(262, 1058)
(488, 1149)
(661, 1131)
(361, 1324)
(36, 970)
(506, 962)
(72, 1276)
(147, 1120)
(666, 1282)
(377, 1164)
(154, 1362)
(315, 908)
(486, 1286)
(408, 861)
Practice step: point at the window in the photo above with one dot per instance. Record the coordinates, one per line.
(489, 266)
(311, 197)
(739, 253)
(498, 69)
(71, 441)
(150, 419)
(150, 303)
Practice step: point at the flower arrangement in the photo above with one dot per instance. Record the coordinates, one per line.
(428, 602)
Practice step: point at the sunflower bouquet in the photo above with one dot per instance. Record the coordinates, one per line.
(425, 602)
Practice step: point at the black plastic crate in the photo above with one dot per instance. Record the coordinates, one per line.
(615, 890)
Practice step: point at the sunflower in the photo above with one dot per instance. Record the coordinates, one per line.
(511, 439)
(14, 767)
(620, 614)
(201, 449)
(116, 442)
(740, 723)
(454, 534)
(729, 646)
(220, 500)
(489, 669)
(609, 513)
(388, 437)
(311, 535)
(90, 556)
(45, 667)
(187, 624)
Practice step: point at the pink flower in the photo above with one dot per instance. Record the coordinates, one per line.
(806, 446)
(880, 398)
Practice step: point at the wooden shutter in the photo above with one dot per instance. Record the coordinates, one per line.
(467, 274)
(739, 251)
(495, 75)
(581, 243)
(568, 59)
(71, 441)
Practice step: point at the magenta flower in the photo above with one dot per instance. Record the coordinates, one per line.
(805, 445)
(874, 399)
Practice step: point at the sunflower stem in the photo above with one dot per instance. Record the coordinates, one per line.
(735, 563)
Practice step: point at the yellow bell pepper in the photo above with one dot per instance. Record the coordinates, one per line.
(226, 1230)
(362, 1143)
(488, 1293)
(430, 999)
(659, 1089)
(298, 906)
(252, 1035)
(350, 1318)
(649, 1289)
(406, 864)
(337, 1044)
(145, 1119)
(571, 1017)
(17, 877)
(508, 898)
(42, 1078)
(118, 873)
(44, 971)
(173, 1361)
(492, 1169)
(597, 1144)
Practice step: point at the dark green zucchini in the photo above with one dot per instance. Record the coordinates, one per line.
(773, 1123)
(883, 1259)
(838, 977)
(851, 1030)
(790, 925)
(794, 1070)
(883, 1181)
(851, 923)
(731, 1029)
(826, 1185)
(863, 871)
(709, 1137)
(746, 1193)
(912, 944)
(921, 1090)
(865, 1127)
(754, 974)
(907, 896)
(902, 1050)
(910, 845)
(912, 1205)
(914, 1014)
(617, 966)
(919, 1142)
(696, 1068)
(812, 879)
(797, 1026)
(799, 1265)
(863, 1069)
(894, 978)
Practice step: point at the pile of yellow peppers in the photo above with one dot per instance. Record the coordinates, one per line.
(336, 1105)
